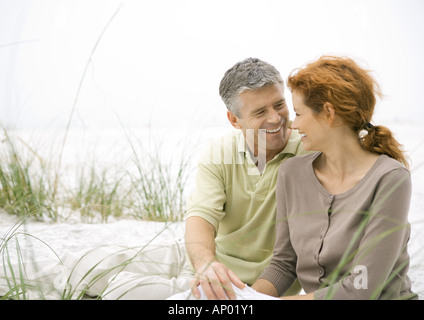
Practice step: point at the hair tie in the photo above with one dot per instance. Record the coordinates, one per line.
(368, 126)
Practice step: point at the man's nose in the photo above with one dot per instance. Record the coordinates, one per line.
(274, 117)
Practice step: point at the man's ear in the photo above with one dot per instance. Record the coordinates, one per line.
(329, 113)
(233, 120)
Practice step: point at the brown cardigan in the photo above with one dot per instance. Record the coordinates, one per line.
(351, 245)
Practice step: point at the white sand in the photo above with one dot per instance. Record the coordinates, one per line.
(71, 236)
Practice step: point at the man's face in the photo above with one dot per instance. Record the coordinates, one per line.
(265, 109)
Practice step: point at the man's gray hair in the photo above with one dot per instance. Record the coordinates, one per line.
(249, 74)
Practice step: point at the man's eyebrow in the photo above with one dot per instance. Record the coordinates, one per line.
(259, 109)
(280, 101)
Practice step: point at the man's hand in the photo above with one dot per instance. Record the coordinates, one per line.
(216, 280)
(214, 277)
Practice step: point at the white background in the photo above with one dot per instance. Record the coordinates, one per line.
(159, 63)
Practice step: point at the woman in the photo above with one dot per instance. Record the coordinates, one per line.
(342, 226)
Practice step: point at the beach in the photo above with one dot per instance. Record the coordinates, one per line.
(48, 240)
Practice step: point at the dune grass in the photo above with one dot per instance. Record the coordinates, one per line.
(23, 191)
(148, 188)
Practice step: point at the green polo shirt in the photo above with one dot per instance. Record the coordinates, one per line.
(239, 201)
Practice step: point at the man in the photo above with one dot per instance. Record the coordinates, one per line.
(229, 235)
(231, 215)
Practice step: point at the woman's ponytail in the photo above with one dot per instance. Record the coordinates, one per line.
(380, 139)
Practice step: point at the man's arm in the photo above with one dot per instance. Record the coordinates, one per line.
(214, 277)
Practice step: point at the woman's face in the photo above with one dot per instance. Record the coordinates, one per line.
(312, 127)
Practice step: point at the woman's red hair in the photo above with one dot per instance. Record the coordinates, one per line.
(352, 92)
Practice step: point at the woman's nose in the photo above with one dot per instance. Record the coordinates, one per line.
(294, 124)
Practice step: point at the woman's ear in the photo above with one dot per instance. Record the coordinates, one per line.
(330, 113)
(233, 120)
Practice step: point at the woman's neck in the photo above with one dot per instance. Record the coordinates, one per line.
(343, 164)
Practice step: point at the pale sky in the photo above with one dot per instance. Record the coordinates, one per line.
(159, 63)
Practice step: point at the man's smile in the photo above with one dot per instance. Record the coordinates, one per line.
(276, 130)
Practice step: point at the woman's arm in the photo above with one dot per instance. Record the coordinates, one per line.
(381, 258)
(265, 287)
(281, 272)
(308, 296)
